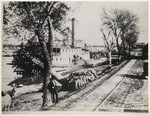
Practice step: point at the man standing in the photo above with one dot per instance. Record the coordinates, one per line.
(52, 87)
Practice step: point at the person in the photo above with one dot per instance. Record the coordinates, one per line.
(52, 87)
(2, 93)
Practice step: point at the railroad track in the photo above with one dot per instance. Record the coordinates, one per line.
(123, 93)
(84, 99)
(96, 109)
(66, 102)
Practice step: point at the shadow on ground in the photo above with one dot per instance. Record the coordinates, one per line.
(140, 77)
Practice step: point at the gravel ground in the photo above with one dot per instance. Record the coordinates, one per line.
(131, 95)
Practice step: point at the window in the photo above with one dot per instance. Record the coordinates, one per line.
(60, 59)
(56, 59)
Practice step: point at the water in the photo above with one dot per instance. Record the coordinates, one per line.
(8, 73)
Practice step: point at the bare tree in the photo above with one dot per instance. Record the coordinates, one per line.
(131, 37)
(119, 21)
(108, 44)
(129, 30)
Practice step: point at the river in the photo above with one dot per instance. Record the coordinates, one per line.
(8, 73)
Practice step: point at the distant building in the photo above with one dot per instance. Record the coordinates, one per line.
(79, 43)
(67, 43)
(64, 56)
(94, 48)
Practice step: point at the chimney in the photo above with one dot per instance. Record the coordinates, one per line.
(73, 19)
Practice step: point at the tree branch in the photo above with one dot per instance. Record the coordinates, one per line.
(48, 13)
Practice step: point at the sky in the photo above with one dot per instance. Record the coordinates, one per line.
(88, 19)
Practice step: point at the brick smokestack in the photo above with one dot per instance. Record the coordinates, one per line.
(73, 19)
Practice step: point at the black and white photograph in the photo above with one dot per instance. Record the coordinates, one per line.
(74, 56)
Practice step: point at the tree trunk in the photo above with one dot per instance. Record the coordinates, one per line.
(129, 48)
(110, 58)
(50, 39)
(123, 44)
(47, 67)
(118, 48)
(48, 63)
(46, 94)
(124, 51)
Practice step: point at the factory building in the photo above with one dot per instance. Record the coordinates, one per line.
(70, 54)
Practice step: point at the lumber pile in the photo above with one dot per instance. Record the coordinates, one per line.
(78, 79)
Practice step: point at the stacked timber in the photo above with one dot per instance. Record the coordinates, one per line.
(78, 79)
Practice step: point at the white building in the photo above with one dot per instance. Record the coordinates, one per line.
(64, 56)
